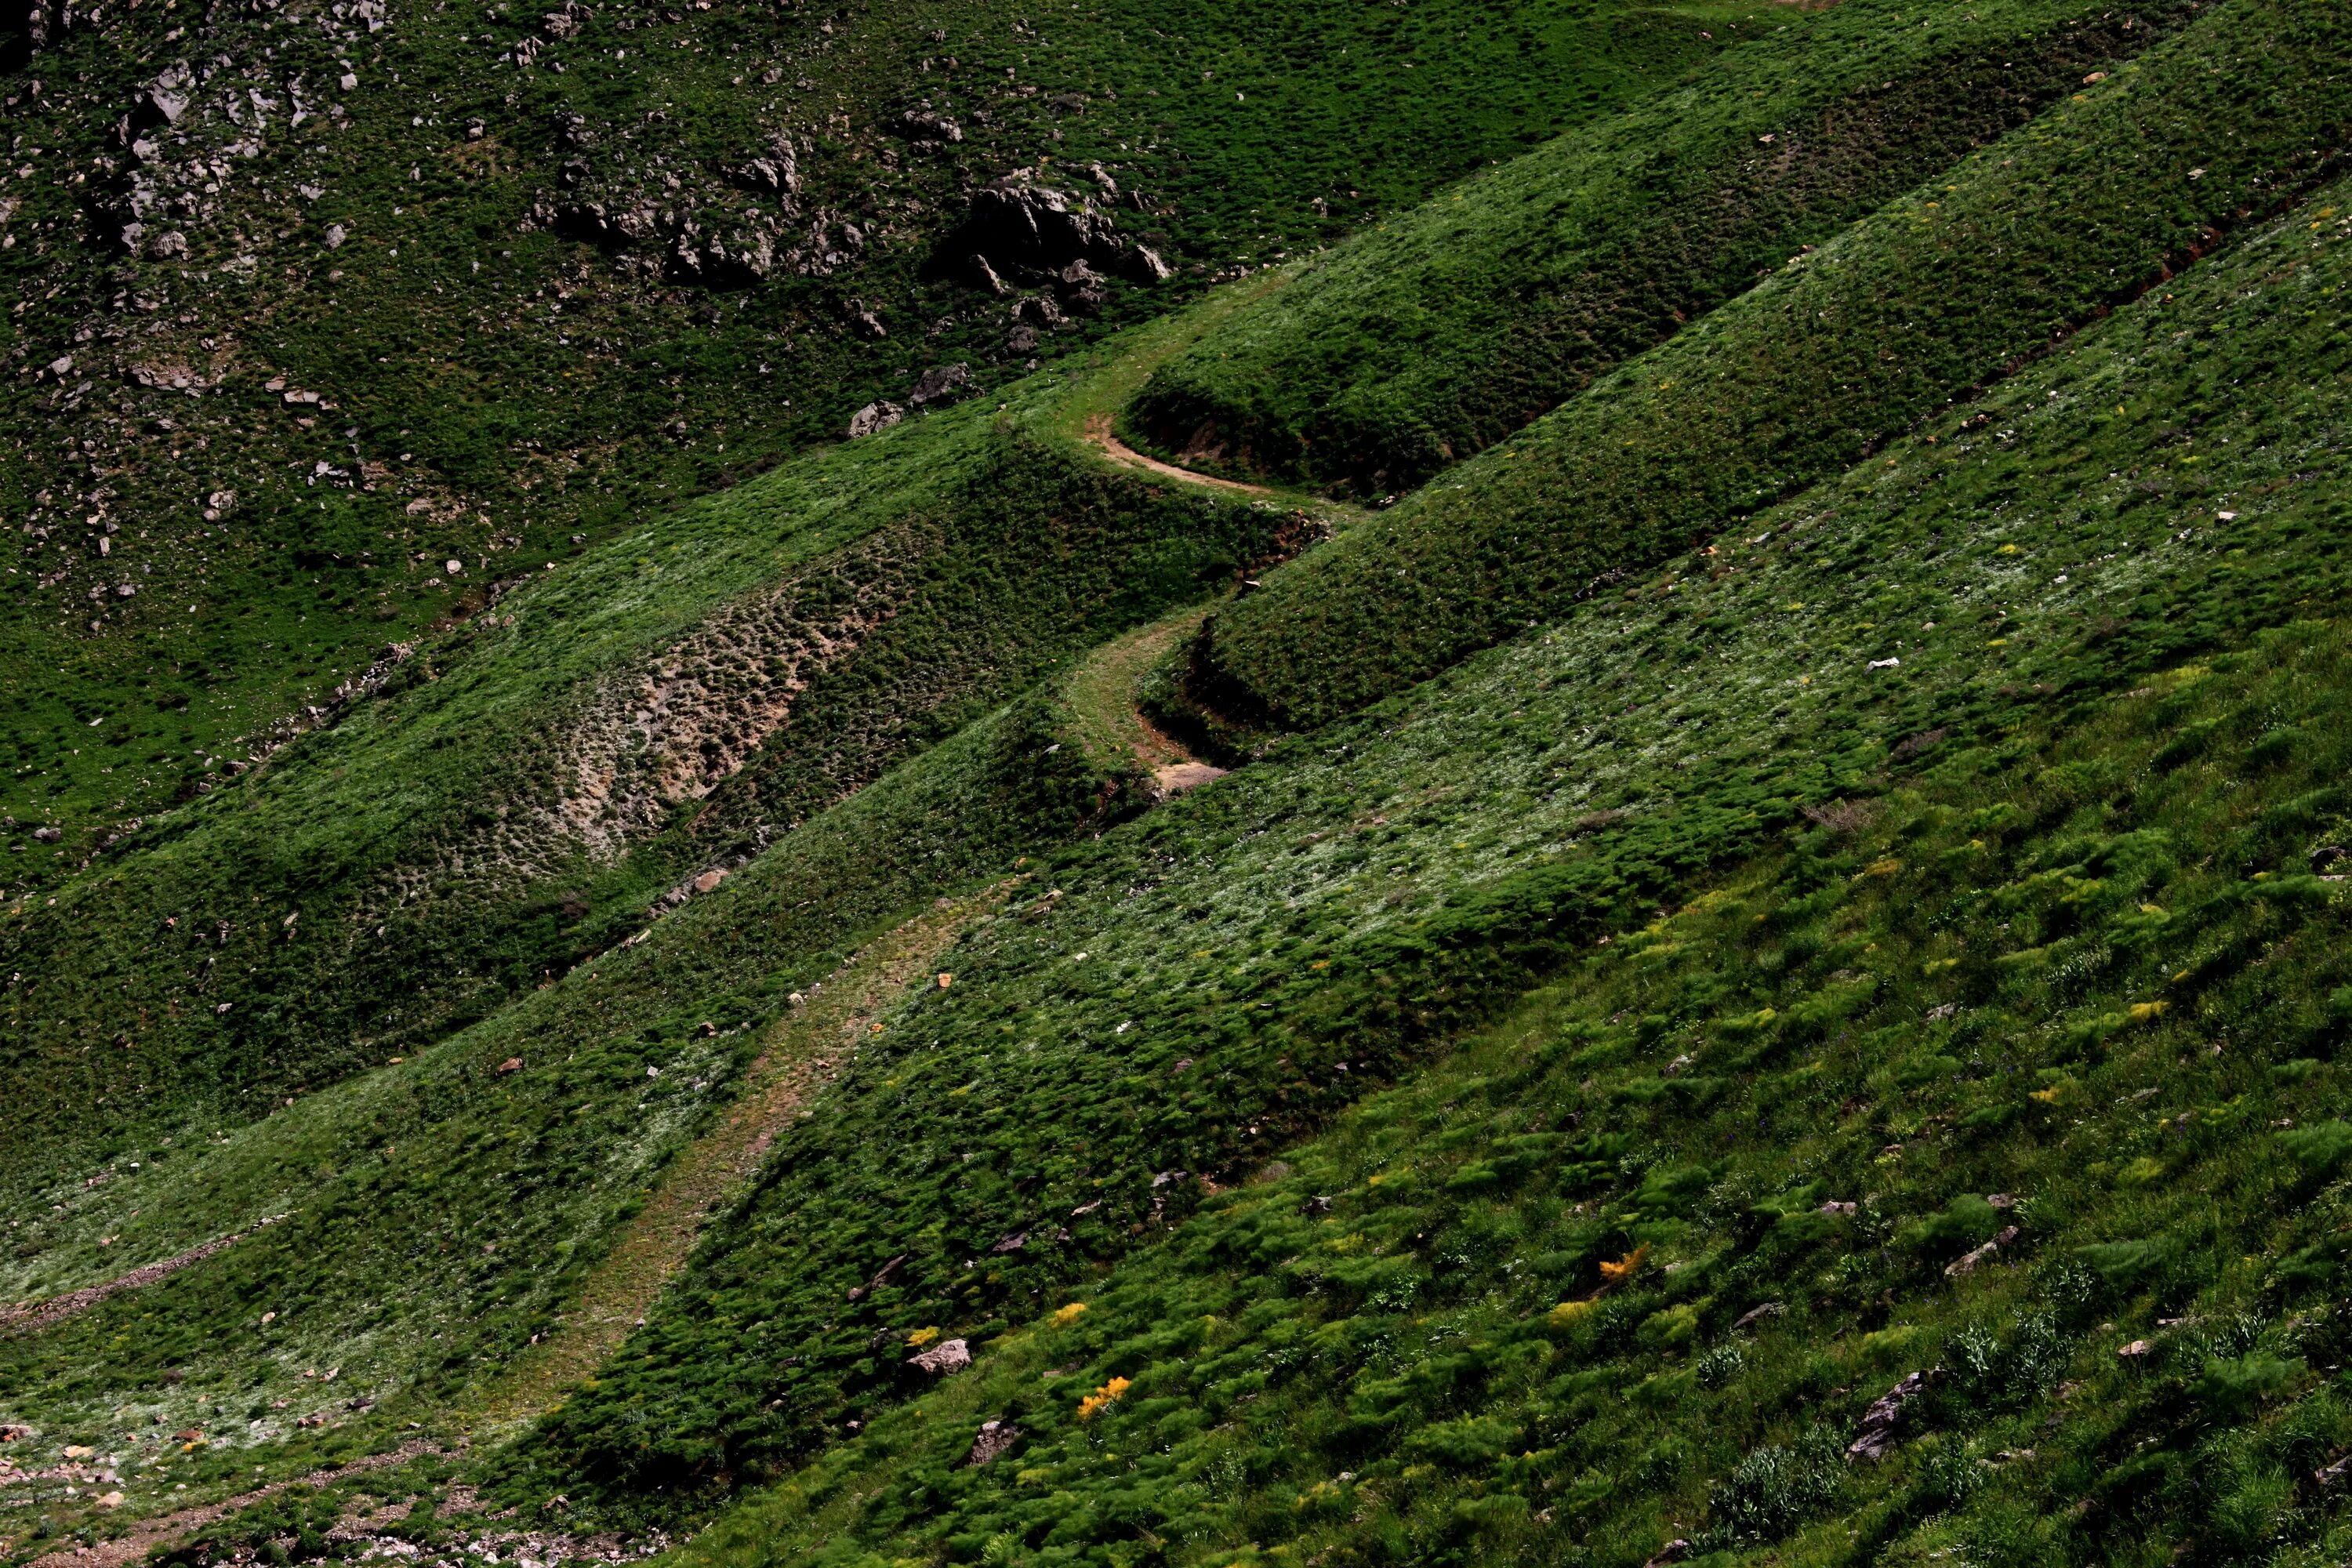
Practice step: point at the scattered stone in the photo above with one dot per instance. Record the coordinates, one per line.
(1875, 1437)
(1755, 1315)
(1835, 1207)
(1038, 229)
(2136, 1348)
(1969, 1262)
(336, 235)
(947, 1357)
(1674, 1550)
(996, 1440)
(874, 417)
(513, 1064)
(929, 131)
(987, 276)
(566, 21)
(2333, 1474)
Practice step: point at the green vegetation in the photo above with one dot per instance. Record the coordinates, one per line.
(1898, 317)
(1436, 333)
(1797, 1014)
(716, 679)
(2037, 872)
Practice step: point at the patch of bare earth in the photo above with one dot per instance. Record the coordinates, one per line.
(167, 1529)
(1098, 433)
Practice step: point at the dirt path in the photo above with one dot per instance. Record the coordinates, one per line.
(150, 1533)
(804, 1051)
(1098, 435)
(27, 1316)
(1101, 695)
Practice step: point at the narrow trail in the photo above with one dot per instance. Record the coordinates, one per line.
(804, 1052)
(24, 1317)
(1100, 436)
(1101, 695)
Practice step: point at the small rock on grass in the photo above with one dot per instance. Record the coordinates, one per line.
(946, 1356)
(995, 1439)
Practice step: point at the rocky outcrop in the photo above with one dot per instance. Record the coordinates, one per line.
(874, 416)
(1020, 227)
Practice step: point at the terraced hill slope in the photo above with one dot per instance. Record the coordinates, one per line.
(311, 298)
(1764, 982)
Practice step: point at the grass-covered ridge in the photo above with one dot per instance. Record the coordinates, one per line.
(1945, 763)
(1438, 332)
(667, 708)
(2066, 856)
(431, 1217)
(1946, 290)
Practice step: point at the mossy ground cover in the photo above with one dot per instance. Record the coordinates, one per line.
(1437, 332)
(1905, 312)
(486, 387)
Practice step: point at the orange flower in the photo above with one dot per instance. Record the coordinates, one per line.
(1625, 1267)
(1108, 1392)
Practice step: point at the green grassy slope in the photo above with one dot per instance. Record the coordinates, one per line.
(2014, 706)
(1340, 907)
(1947, 288)
(487, 384)
(439, 1212)
(1503, 1313)
(2058, 940)
(1438, 332)
(668, 708)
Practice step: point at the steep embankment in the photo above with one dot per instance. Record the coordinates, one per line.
(1436, 332)
(1949, 288)
(307, 302)
(1814, 710)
